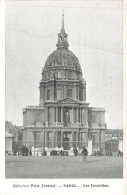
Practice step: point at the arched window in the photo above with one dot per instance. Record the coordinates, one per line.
(70, 75)
(59, 74)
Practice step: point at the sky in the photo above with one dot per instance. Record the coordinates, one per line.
(94, 31)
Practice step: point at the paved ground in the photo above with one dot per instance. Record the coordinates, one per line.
(63, 167)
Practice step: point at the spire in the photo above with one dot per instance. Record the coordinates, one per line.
(62, 36)
(62, 21)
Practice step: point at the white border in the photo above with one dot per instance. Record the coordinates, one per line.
(116, 186)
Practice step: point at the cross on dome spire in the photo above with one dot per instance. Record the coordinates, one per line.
(62, 36)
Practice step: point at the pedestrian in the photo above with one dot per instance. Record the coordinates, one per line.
(30, 152)
(75, 151)
(84, 153)
(26, 151)
(23, 150)
(61, 153)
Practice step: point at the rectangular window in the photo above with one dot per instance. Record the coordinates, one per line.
(70, 93)
(38, 118)
(48, 94)
(94, 118)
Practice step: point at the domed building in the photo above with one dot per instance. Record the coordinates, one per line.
(63, 118)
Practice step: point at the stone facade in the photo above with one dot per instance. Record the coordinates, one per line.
(63, 118)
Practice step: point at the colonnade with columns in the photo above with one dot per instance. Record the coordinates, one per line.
(58, 139)
(55, 115)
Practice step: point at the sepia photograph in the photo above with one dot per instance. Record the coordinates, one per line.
(64, 90)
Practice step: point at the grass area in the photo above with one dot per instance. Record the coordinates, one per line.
(63, 167)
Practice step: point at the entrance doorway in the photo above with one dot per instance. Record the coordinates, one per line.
(66, 140)
(66, 115)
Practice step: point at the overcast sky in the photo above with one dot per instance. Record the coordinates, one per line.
(94, 31)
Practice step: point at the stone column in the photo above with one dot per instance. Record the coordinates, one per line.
(84, 94)
(46, 139)
(43, 140)
(77, 139)
(56, 114)
(45, 93)
(74, 91)
(56, 139)
(72, 135)
(77, 113)
(61, 114)
(103, 141)
(52, 92)
(53, 140)
(53, 114)
(46, 116)
(80, 115)
(41, 98)
(64, 91)
(42, 94)
(61, 138)
(83, 116)
(80, 144)
(72, 115)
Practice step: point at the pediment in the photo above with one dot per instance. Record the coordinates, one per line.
(68, 101)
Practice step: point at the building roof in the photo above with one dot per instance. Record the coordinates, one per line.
(64, 58)
(110, 131)
(8, 135)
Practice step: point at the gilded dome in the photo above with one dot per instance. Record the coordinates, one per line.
(62, 58)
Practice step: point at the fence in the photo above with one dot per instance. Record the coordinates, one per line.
(111, 146)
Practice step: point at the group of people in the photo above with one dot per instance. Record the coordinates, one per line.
(58, 153)
(84, 152)
(26, 151)
(98, 153)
